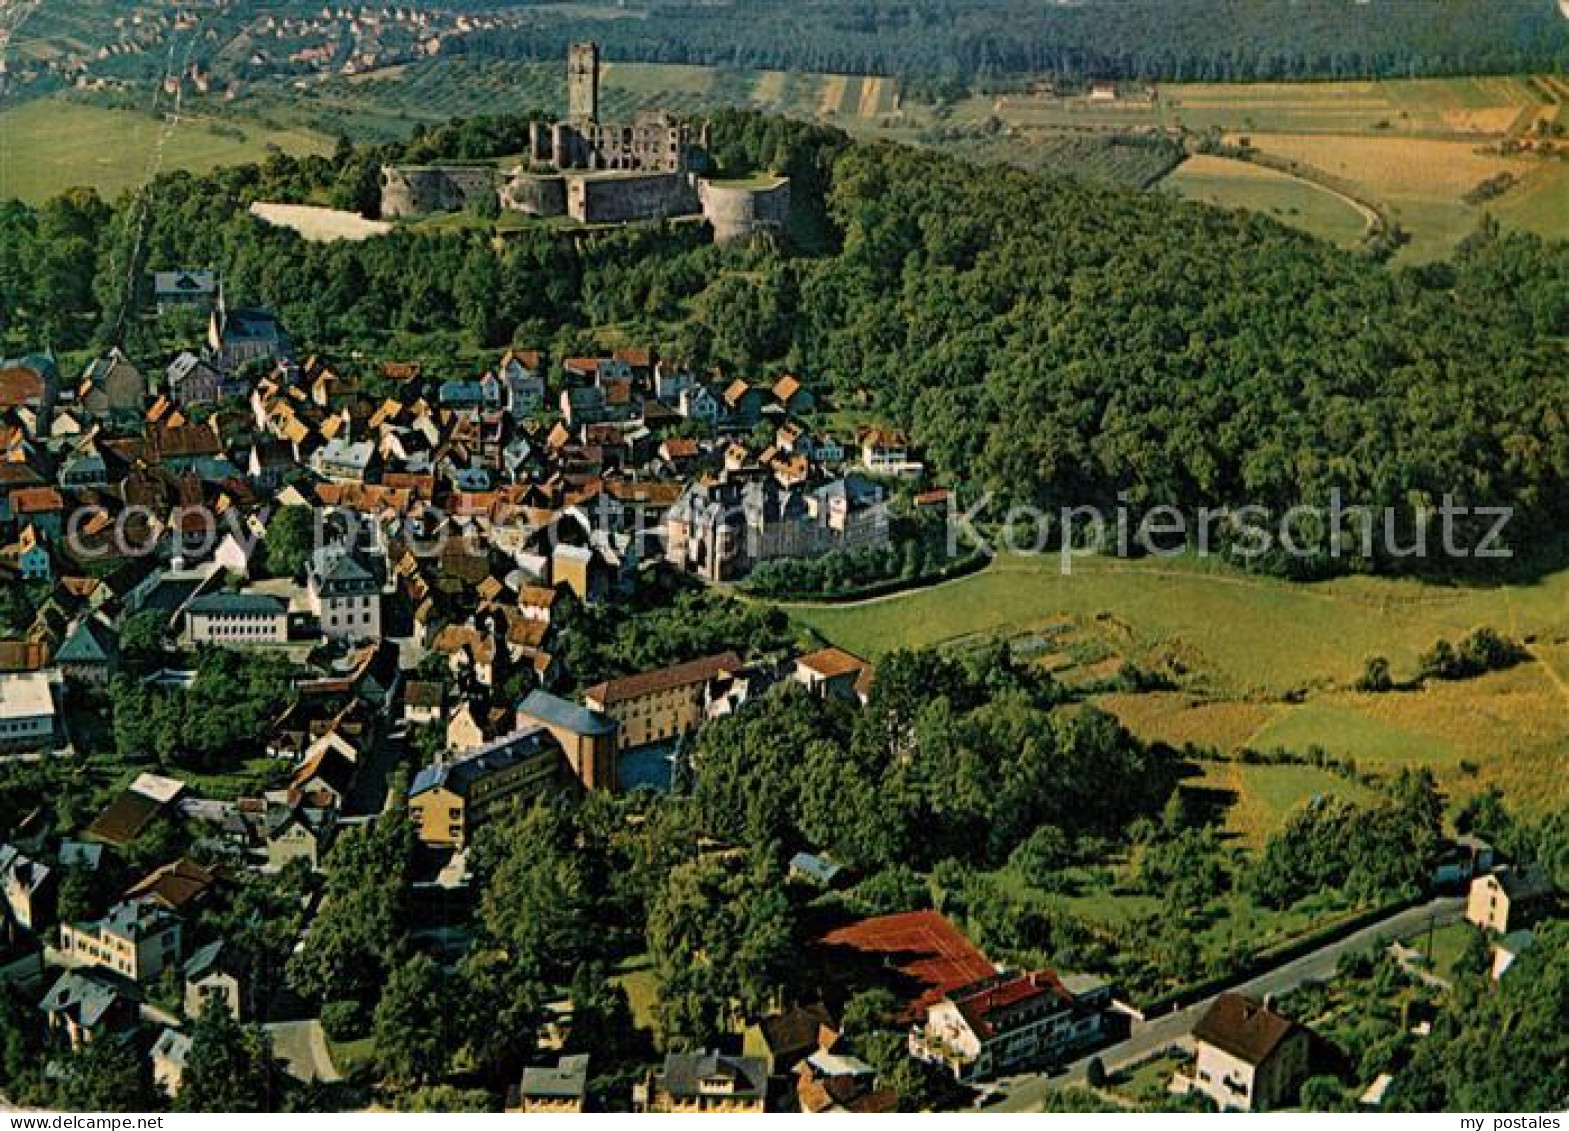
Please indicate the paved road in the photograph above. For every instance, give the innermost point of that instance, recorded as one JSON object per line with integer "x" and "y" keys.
{"x": 1025, "y": 1093}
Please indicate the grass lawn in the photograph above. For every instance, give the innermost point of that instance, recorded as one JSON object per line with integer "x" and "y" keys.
{"x": 1448, "y": 944}
{"x": 49, "y": 145}
{"x": 348, "y": 1057}
{"x": 636, "y": 976}
{"x": 1259, "y": 798}
{"x": 1146, "y": 1082}
{"x": 1264, "y": 663}
{"x": 1237, "y": 184}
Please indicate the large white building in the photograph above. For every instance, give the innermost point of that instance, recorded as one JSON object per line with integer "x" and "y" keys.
{"x": 27, "y": 711}
{"x": 1008, "y": 1022}
{"x": 237, "y": 620}
{"x": 345, "y": 596}
{"x": 136, "y": 940}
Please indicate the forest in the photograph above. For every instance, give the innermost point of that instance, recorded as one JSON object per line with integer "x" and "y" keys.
{"x": 930, "y": 43}
{"x": 1050, "y": 341}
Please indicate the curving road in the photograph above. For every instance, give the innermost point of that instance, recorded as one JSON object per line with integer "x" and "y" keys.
{"x": 1025, "y": 1093}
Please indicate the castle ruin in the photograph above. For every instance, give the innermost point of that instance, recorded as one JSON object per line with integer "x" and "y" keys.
{"x": 597, "y": 172}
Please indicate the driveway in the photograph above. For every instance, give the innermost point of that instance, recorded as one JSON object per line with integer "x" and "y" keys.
{"x": 1025, "y": 1093}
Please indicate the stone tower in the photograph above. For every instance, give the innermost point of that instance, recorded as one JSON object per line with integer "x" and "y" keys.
{"x": 583, "y": 83}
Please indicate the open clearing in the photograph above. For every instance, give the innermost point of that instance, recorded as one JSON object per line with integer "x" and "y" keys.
{"x": 49, "y": 145}
{"x": 1262, "y": 663}
{"x": 320, "y": 225}
{"x": 1423, "y": 181}
{"x": 1238, "y": 184}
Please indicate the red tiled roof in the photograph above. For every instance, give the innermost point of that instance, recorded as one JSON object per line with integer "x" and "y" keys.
{"x": 922, "y": 946}
{"x": 665, "y": 679}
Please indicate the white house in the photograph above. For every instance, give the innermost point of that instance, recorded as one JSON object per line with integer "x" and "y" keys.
{"x": 138, "y": 941}
{"x": 1250, "y": 1058}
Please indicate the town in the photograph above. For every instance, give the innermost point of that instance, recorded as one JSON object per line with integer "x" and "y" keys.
{"x": 315, "y": 759}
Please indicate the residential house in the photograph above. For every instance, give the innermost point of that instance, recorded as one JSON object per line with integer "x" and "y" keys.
{"x": 27, "y": 710}
{"x": 1508, "y": 898}
{"x": 833, "y": 1083}
{"x": 523, "y": 374}
{"x": 237, "y": 620}
{"x": 560, "y": 1089}
{"x": 175, "y": 290}
{"x": 194, "y": 380}
{"x": 135, "y": 940}
{"x": 789, "y": 395}
{"x": 80, "y": 1008}
{"x": 212, "y": 974}
{"x": 177, "y": 886}
{"x": 742, "y": 405}
{"x": 582, "y": 405}
{"x": 42, "y": 508}
{"x": 296, "y": 832}
{"x": 587, "y": 737}
{"x": 886, "y": 451}
{"x": 663, "y": 705}
{"x": 91, "y": 653}
{"x": 169, "y": 1054}
{"x": 1461, "y": 861}
{"x": 832, "y": 673}
{"x": 28, "y": 889}
{"x": 1249, "y": 1058}
{"x": 1008, "y": 1022}
{"x": 699, "y": 403}
{"x": 790, "y": 1037}
{"x": 112, "y": 388}
{"x": 342, "y": 461}
{"x": 706, "y": 1082}
{"x": 324, "y": 779}
{"x": 29, "y": 556}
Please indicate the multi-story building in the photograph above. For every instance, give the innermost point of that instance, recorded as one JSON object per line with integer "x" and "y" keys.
{"x": 237, "y": 620}
{"x": 587, "y": 737}
{"x": 1249, "y": 1058}
{"x": 706, "y": 1083}
{"x": 1007, "y": 1022}
{"x": 80, "y": 1008}
{"x": 27, "y": 711}
{"x": 135, "y": 940}
{"x": 1508, "y": 898}
{"x": 558, "y": 1090}
{"x": 722, "y": 529}
{"x": 344, "y": 594}
{"x": 27, "y": 888}
{"x": 449, "y": 801}
{"x": 663, "y": 705}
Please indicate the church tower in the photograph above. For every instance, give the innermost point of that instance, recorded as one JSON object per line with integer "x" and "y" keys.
{"x": 583, "y": 83}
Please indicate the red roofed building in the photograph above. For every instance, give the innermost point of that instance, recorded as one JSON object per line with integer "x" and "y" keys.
{"x": 1007, "y": 1022}
{"x": 918, "y": 955}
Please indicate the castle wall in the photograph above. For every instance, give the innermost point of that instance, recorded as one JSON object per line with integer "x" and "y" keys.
{"x": 622, "y": 198}
{"x": 416, "y": 190}
{"x": 535, "y": 194}
{"x": 738, "y": 213}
